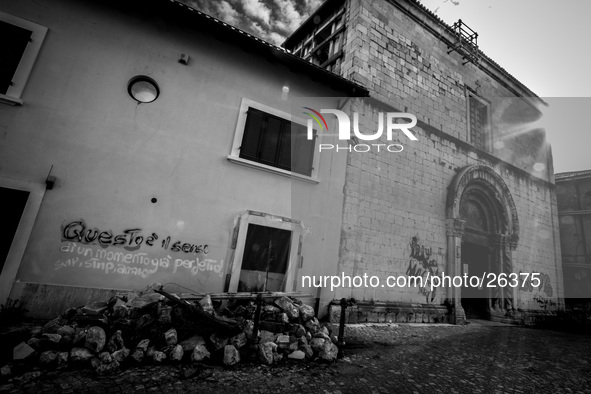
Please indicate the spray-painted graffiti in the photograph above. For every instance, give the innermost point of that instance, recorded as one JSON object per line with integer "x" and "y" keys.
{"x": 140, "y": 264}
{"x": 540, "y": 282}
{"x": 130, "y": 239}
{"x": 421, "y": 264}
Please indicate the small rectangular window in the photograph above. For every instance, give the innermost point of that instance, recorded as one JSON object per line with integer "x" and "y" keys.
{"x": 478, "y": 117}
{"x": 12, "y": 52}
{"x": 21, "y": 43}
{"x": 276, "y": 142}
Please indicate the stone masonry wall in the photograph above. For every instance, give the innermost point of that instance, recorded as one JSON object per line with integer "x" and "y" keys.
{"x": 395, "y": 202}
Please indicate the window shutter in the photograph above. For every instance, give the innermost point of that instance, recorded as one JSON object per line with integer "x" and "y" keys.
{"x": 252, "y": 135}
{"x": 284, "y": 159}
{"x": 303, "y": 157}
{"x": 15, "y": 40}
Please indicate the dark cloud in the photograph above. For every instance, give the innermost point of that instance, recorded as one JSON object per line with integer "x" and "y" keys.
{"x": 271, "y": 20}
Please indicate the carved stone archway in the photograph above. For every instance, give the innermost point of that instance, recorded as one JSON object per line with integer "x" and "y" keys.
{"x": 491, "y": 189}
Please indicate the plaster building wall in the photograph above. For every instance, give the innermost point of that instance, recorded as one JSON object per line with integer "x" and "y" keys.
{"x": 400, "y": 217}
{"x": 154, "y": 170}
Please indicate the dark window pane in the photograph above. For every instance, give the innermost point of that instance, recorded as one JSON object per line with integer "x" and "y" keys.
{"x": 252, "y": 135}
{"x": 13, "y": 204}
{"x": 265, "y": 259}
{"x": 270, "y": 142}
{"x": 478, "y": 122}
{"x": 14, "y": 42}
{"x": 277, "y": 142}
{"x": 284, "y": 159}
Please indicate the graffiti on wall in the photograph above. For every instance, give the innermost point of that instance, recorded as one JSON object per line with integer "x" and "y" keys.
{"x": 540, "y": 283}
{"x": 130, "y": 239}
{"x": 421, "y": 264}
{"x": 92, "y": 249}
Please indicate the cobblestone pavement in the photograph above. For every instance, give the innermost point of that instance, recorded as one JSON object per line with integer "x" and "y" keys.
{"x": 477, "y": 358}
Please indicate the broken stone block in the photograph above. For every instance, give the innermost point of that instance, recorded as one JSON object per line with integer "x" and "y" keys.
{"x": 121, "y": 355}
{"x": 267, "y": 336}
{"x": 308, "y": 352}
{"x": 164, "y": 313}
{"x": 231, "y": 355}
{"x": 277, "y": 357}
{"x": 108, "y": 369}
{"x": 206, "y": 304}
{"x": 271, "y": 309}
{"x": 293, "y": 347}
{"x": 79, "y": 337}
{"x": 120, "y": 310}
{"x": 62, "y": 359}
{"x": 297, "y": 355}
{"x": 144, "y": 321}
{"x": 283, "y": 341}
{"x": 317, "y": 344}
{"x": 5, "y": 372}
{"x": 143, "y": 345}
{"x": 170, "y": 337}
{"x": 282, "y": 318}
{"x": 288, "y": 307}
{"x": 94, "y": 309}
{"x": 158, "y": 357}
{"x": 266, "y": 351}
{"x": 176, "y": 354}
{"x": 95, "y": 362}
{"x": 334, "y": 339}
{"x": 322, "y": 335}
{"x": 306, "y": 312}
{"x": 67, "y": 331}
{"x": 138, "y": 355}
{"x": 312, "y": 325}
{"x": 50, "y": 340}
{"x": 48, "y": 358}
{"x": 35, "y": 343}
{"x": 105, "y": 358}
{"x": 329, "y": 352}
{"x": 80, "y": 355}
{"x": 218, "y": 341}
{"x": 189, "y": 344}
{"x": 95, "y": 339}
{"x": 116, "y": 342}
{"x": 308, "y": 336}
{"x": 302, "y": 341}
{"x": 239, "y": 340}
{"x": 200, "y": 353}
{"x": 248, "y": 327}
{"x": 22, "y": 351}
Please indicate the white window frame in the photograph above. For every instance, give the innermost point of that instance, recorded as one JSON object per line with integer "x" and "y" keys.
{"x": 234, "y": 155}
{"x": 23, "y": 231}
{"x": 489, "y": 138}
{"x": 268, "y": 220}
{"x": 23, "y": 71}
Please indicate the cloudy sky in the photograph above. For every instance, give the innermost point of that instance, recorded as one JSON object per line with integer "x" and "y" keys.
{"x": 271, "y": 20}
{"x": 543, "y": 43}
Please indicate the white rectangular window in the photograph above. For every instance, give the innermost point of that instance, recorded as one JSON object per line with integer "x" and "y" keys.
{"x": 21, "y": 42}
{"x": 272, "y": 140}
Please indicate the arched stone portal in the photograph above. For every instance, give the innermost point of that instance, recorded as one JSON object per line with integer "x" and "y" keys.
{"x": 481, "y": 223}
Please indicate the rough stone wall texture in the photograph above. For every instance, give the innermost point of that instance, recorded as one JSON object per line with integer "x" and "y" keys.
{"x": 392, "y": 197}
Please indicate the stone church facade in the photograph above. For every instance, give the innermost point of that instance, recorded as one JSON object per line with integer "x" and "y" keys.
{"x": 473, "y": 195}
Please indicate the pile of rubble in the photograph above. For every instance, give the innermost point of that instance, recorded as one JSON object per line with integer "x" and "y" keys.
{"x": 157, "y": 327}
